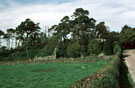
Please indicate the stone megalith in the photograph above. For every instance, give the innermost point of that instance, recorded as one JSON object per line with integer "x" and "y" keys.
{"x": 55, "y": 53}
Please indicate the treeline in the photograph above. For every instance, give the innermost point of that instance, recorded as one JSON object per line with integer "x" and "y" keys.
{"x": 74, "y": 36}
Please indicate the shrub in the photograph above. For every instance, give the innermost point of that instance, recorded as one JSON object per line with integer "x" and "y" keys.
{"x": 110, "y": 76}
{"x": 117, "y": 48}
{"x": 4, "y": 53}
{"x": 107, "y": 77}
{"x": 106, "y": 81}
{"x": 48, "y": 49}
{"x": 62, "y": 50}
{"x": 75, "y": 50}
{"x": 23, "y": 55}
{"x": 108, "y": 47}
{"x": 32, "y": 53}
{"x": 18, "y": 56}
{"x": 94, "y": 47}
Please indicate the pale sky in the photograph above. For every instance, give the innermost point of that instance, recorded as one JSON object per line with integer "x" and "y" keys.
{"x": 115, "y": 13}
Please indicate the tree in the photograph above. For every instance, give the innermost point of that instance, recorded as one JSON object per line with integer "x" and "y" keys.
{"x": 28, "y": 31}
{"x": 117, "y": 47}
{"x": 94, "y": 47}
{"x": 82, "y": 26}
{"x": 101, "y": 30}
{"x": 75, "y": 50}
{"x": 108, "y": 47}
{"x": 127, "y": 37}
{"x": 11, "y": 33}
{"x": 62, "y": 29}
{"x": 1, "y": 34}
{"x": 7, "y": 38}
{"x": 49, "y": 47}
{"x": 114, "y": 35}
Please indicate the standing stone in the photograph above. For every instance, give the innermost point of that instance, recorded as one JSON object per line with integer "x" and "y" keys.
{"x": 82, "y": 57}
{"x": 55, "y": 53}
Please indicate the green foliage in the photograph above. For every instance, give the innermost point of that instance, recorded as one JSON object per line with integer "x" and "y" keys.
{"x": 117, "y": 48}
{"x": 115, "y": 36}
{"x": 4, "y": 53}
{"x": 127, "y": 34}
{"x": 101, "y": 30}
{"x": 48, "y": 49}
{"x": 62, "y": 49}
{"x": 28, "y": 32}
{"x": 94, "y": 47}
{"x": 81, "y": 28}
{"x": 127, "y": 37}
{"x": 107, "y": 81}
{"x": 108, "y": 47}
{"x": 75, "y": 50}
{"x": 32, "y": 53}
{"x": 110, "y": 77}
{"x": 23, "y": 55}
{"x": 18, "y": 56}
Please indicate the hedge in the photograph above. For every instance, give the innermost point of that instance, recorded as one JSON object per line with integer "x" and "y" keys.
{"x": 107, "y": 77}
{"x": 108, "y": 47}
{"x": 94, "y": 47}
{"x": 22, "y": 55}
{"x": 75, "y": 50}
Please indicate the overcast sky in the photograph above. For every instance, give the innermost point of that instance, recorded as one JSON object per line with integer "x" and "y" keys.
{"x": 115, "y": 13}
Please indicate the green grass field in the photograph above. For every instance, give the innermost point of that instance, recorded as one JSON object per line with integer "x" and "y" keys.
{"x": 53, "y": 75}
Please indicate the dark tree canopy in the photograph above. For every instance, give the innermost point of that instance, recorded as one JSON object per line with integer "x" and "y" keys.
{"x": 127, "y": 37}
{"x": 73, "y": 36}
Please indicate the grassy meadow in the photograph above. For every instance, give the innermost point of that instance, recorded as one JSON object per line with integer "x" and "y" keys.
{"x": 51, "y": 75}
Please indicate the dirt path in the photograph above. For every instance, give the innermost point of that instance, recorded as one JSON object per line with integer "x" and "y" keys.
{"x": 129, "y": 56}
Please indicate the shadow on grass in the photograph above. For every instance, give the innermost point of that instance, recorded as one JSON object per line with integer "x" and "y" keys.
{"x": 125, "y": 80}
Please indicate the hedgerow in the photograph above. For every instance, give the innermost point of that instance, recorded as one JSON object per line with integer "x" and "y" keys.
{"x": 107, "y": 77}
{"x": 108, "y": 47}
{"x": 75, "y": 50}
{"x": 94, "y": 47}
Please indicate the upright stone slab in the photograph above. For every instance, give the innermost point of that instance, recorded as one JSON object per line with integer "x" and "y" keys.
{"x": 55, "y": 53}
{"x": 82, "y": 57}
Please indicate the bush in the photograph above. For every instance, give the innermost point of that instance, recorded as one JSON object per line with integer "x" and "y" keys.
{"x": 107, "y": 77}
{"x": 23, "y": 55}
{"x": 106, "y": 81}
{"x": 32, "y": 53}
{"x": 48, "y": 49}
{"x": 18, "y": 56}
{"x": 4, "y": 53}
{"x": 94, "y": 47}
{"x": 62, "y": 50}
{"x": 75, "y": 50}
{"x": 117, "y": 48}
{"x": 108, "y": 47}
{"x": 110, "y": 76}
